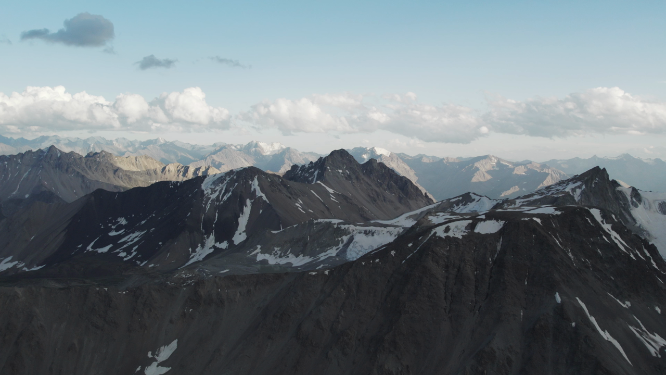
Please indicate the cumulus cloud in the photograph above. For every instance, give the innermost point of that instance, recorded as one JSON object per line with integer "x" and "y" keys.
{"x": 5, "y": 40}
{"x": 40, "y": 109}
{"x": 153, "y": 62}
{"x": 600, "y": 110}
{"x": 349, "y": 113}
{"x": 83, "y": 30}
{"x": 229, "y": 62}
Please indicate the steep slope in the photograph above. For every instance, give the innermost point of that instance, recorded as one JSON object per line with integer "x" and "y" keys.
{"x": 642, "y": 212}
{"x": 70, "y": 176}
{"x": 242, "y": 216}
{"x": 485, "y": 175}
{"x": 340, "y": 168}
{"x": 505, "y": 292}
{"x": 390, "y": 159}
{"x": 649, "y": 174}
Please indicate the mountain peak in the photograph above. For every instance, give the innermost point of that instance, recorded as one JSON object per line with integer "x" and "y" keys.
{"x": 263, "y": 148}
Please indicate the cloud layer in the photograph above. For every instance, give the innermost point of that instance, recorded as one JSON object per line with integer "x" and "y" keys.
{"x": 153, "y": 62}
{"x": 595, "y": 111}
{"x": 229, "y": 62}
{"x": 600, "y": 110}
{"x": 350, "y": 114}
{"x": 83, "y": 30}
{"x": 39, "y": 109}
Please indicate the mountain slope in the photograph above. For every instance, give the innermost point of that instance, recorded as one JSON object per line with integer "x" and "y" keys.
{"x": 642, "y": 212}
{"x": 508, "y": 292}
{"x": 390, "y": 159}
{"x": 243, "y": 216}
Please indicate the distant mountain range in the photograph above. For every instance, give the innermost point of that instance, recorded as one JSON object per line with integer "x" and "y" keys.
{"x": 51, "y": 175}
{"x": 448, "y": 177}
{"x": 648, "y": 174}
{"x": 438, "y": 177}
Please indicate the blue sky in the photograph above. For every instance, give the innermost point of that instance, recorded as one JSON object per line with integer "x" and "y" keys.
{"x": 447, "y": 53}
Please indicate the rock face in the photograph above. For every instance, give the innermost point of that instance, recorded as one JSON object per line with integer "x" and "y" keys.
{"x": 339, "y": 169}
{"x": 70, "y": 176}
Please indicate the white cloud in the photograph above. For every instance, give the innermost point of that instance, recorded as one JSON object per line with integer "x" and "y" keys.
{"x": 600, "y": 110}
{"x": 190, "y": 106}
{"x": 349, "y": 113}
{"x": 39, "y": 109}
{"x": 289, "y": 116}
{"x": 595, "y": 111}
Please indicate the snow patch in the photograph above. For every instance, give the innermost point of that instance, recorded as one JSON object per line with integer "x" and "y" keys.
{"x": 442, "y": 217}
{"x": 366, "y": 239}
{"x": 652, "y": 341}
{"x": 6, "y": 264}
{"x": 649, "y": 217}
{"x": 603, "y": 333}
{"x": 408, "y": 219}
{"x": 544, "y": 210}
{"x": 160, "y": 356}
{"x": 608, "y": 228}
{"x": 257, "y": 190}
{"x": 206, "y": 248}
{"x": 240, "y": 235}
{"x": 454, "y": 229}
{"x": 489, "y": 226}
{"x": 626, "y": 304}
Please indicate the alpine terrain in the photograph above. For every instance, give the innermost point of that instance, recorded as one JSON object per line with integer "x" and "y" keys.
{"x": 336, "y": 267}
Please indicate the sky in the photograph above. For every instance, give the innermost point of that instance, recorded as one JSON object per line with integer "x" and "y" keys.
{"x": 519, "y": 79}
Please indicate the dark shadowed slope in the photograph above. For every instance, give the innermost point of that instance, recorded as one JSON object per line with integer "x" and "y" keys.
{"x": 506, "y": 292}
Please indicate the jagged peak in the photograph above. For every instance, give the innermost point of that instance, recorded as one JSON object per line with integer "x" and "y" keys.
{"x": 314, "y": 171}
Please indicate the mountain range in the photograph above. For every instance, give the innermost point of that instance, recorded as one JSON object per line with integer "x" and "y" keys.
{"x": 441, "y": 178}
{"x": 335, "y": 267}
